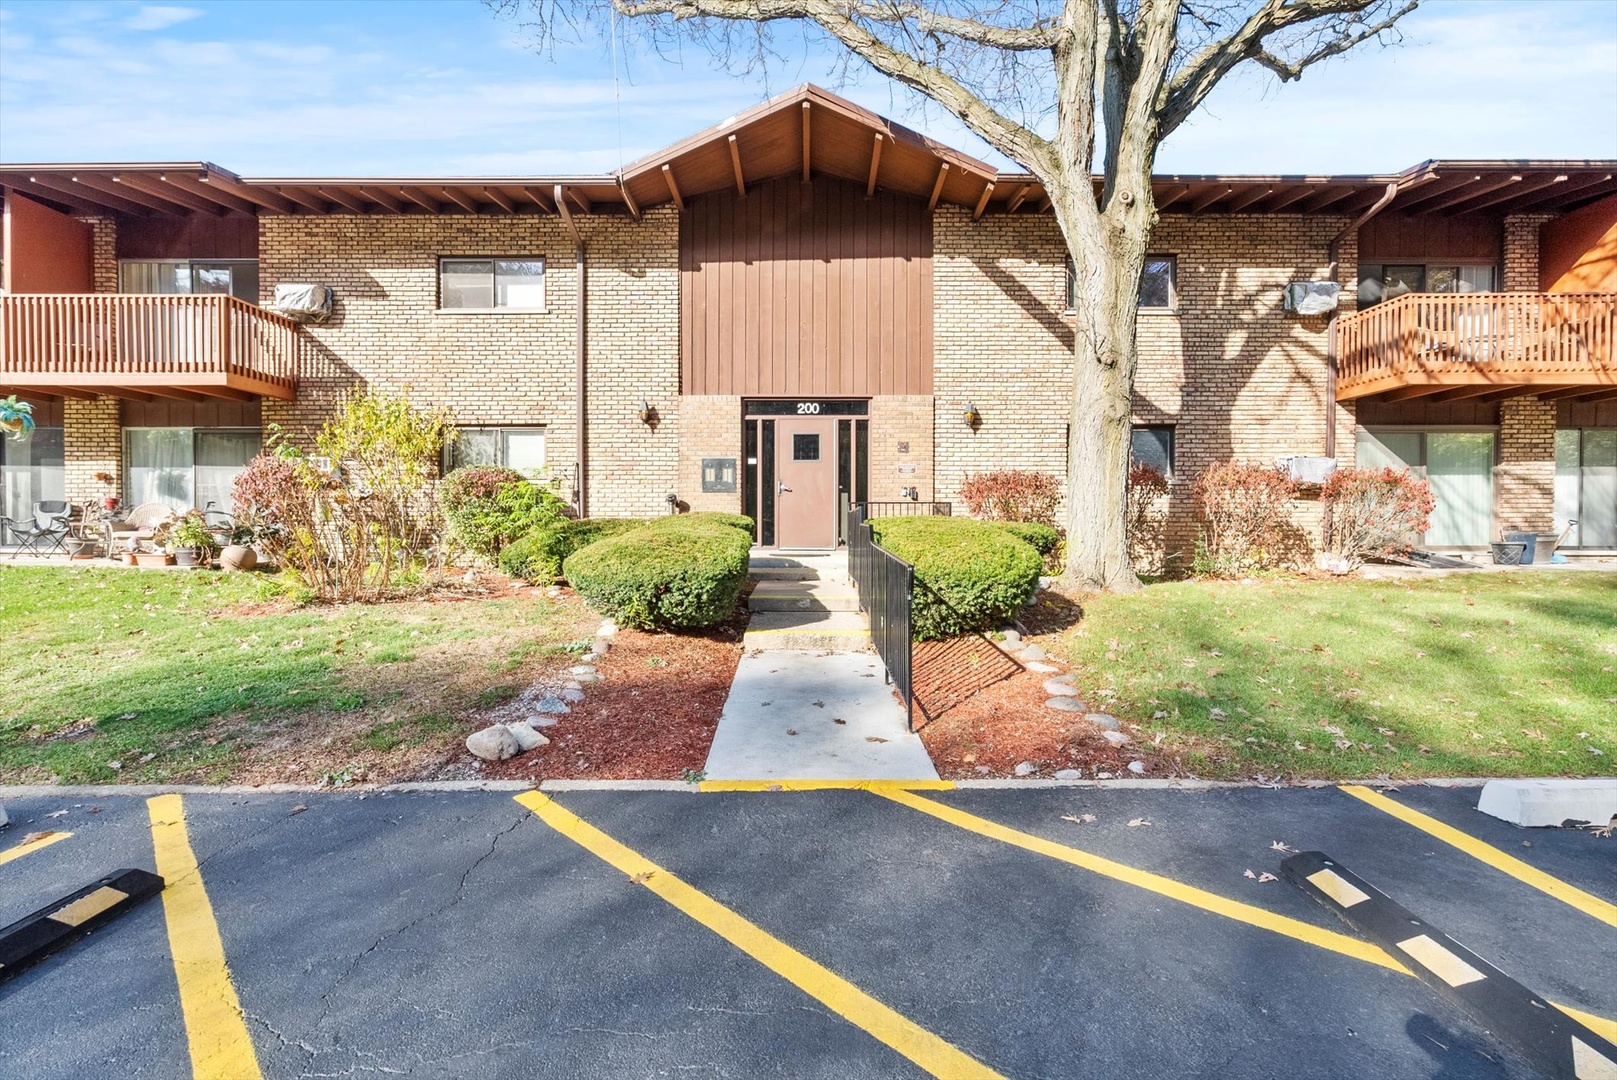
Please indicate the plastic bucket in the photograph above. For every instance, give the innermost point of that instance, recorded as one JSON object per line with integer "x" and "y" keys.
{"x": 1529, "y": 542}
{"x": 1508, "y": 554}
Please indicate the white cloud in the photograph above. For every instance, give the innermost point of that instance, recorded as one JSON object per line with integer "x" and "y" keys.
{"x": 160, "y": 17}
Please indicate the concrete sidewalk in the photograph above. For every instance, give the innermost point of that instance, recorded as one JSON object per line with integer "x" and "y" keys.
{"x": 794, "y": 715}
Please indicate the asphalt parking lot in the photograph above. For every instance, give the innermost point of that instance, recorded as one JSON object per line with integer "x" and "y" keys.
{"x": 1035, "y": 932}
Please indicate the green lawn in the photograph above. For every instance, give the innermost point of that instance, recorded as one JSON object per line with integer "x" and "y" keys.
{"x": 209, "y": 677}
{"x": 1471, "y": 675}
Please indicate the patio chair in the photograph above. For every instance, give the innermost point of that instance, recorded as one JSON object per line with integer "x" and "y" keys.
{"x": 44, "y": 533}
{"x": 139, "y": 525}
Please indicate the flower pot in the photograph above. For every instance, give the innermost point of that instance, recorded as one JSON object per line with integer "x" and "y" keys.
{"x": 11, "y": 427}
{"x": 127, "y": 558}
{"x": 110, "y": 504}
{"x": 185, "y": 557}
{"x": 238, "y": 557}
{"x": 153, "y": 558}
{"x": 81, "y": 549}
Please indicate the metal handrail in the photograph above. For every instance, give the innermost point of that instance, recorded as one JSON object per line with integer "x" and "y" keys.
{"x": 886, "y": 588}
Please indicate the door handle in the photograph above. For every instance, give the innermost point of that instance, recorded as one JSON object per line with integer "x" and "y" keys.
{"x": 780, "y": 487}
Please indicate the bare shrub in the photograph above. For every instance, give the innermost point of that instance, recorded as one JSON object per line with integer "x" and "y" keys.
{"x": 1376, "y": 511}
{"x": 1246, "y": 519}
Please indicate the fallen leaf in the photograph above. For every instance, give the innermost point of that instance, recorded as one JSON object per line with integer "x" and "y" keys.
{"x": 791, "y": 731}
{"x": 839, "y": 720}
{"x": 1281, "y": 846}
{"x": 1078, "y": 819}
{"x": 818, "y": 704}
{"x": 35, "y": 837}
{"x": 642, "y": 877}
{"x": 1248, "y": 873}
{"x": 298, "y": 809}
{"x": 57, "y": 813}
{"x": 868, "y": 738}
{"x": 1136, "y": 822}
{"x": 1266, "y": 877}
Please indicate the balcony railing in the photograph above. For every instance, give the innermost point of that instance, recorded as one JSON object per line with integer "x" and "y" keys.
{"x": 1508, "y": 340}
{"x": 216, "y": 345}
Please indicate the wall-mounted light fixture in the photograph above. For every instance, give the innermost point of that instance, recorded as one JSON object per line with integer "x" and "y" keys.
{"x": 973, "y": 418}
{"x": 647, "y": 413}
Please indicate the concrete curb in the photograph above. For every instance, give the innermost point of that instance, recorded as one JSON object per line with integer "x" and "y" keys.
{"x": 98, "y": 791}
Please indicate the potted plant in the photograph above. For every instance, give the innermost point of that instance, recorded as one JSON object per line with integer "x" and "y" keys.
{"x": 16, "y": 418}
{"x": 191, "y": 542}
{"x": 238, "y": 553}
{"x": 109, "y": 501}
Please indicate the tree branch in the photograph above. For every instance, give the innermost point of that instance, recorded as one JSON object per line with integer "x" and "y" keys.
{"x": 1290, "y": 71}
{"x": 927, "y": 21}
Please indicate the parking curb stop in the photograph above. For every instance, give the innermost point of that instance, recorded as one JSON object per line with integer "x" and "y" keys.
{"x": 35, "y": 936}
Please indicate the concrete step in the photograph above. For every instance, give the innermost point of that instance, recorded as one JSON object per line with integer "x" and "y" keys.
{"x": 814, "y": 631}
{"x": 773, "y": 567}
{"x": 803, "y": 596}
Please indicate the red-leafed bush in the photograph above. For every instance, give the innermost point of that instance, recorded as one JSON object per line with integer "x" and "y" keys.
{"x": 1012, "y": 495}
{"x": 1147, "y": 516}
{"x": 1246, "y": 519}
{"x": 1376, "y": 511}
{"x": 271, "y": 503}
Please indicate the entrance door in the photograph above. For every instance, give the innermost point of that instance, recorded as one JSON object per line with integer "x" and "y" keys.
{"x": 806, "y": 482}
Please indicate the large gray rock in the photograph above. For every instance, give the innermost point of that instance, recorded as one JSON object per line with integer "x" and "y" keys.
{"x": 1116, "y": 738}
{"x": 1102, "y": 720}
{"x": 1060, "y": 688}
{"x": 493, "y": 743}
{"x": 1068, "y": 774}
{"x": 1024, "y": 768}
{"x": 1041, "y": 667}
{"x": 1065, "y": 704}
{"x": 572, "y": 695}
{"x": 1012, "y": 636}
{"x": 1137, "y": 768}
{"x": 608, "y": 628}
{"x": 587, "y": 677}
{"x": 543, "y": 721}
{"x": 580, "y": 669}
{"x": 1031, "y": 652}
{"x": 526, "y": 737}
{"x": 602, "y": 646}
{"x": 552, "y": 703}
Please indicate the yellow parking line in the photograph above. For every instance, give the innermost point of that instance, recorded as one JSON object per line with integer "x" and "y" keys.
{"x": 1530, "y": 875}
{"x": 17, "y": 851}
{"x": 839, "y": 995}
{"x": 221, "y": 1049}
{"x": 824, "y": 785}
{"x": 1207, "y": 901}
{"x": 1173, "y": 890}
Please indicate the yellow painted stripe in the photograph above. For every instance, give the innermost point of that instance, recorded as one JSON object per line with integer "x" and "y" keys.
{"x": 1325, "y": 939}
{"x": 1173, "y": 890}
{"x": 17, "y": 851}
{"x": 1529, "y": 875}
{"x": 825, "y": 785}
{"x": 842, "y": 997}
{"x": 87, "y": 906}
{"x": 220, "y": 1046}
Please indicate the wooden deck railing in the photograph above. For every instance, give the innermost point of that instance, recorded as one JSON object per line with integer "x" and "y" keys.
{"x": 100, "y": 339}
{"x": 1512, "y": 339}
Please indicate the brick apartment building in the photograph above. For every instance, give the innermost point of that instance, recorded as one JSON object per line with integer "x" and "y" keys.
{"x": 800, "y": 308}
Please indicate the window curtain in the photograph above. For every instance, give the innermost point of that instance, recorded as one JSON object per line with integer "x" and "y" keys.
{"x": 1459, "y": 465}
{"x": 31, "y": 471}
{"x": 158, "y": 467}
{"x": 1597, "y": 509}
{"x": 220, "y": 458}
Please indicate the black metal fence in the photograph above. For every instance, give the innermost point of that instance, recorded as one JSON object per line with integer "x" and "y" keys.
{"x": 886, "y": 587}
{"x": 905, "y": 508}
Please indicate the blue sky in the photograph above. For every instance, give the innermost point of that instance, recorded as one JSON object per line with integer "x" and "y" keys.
{"x": 423, "y": 87}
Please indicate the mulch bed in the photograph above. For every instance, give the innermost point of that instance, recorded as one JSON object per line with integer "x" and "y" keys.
{"x": 652, "y": 717}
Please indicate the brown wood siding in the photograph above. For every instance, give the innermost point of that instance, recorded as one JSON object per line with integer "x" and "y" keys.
{"x": 806, "y": 290}
{"x": 165, "y": 412}
{"x": 1425, "y": 237}
{"x": 1570, "y": 414}
{"x": 1428, "y": 413}
{"x": 197, "y": 236}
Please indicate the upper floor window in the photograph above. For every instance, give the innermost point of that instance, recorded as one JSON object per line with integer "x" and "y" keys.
{"x": 200, "y": 277}
{"x": 1159, "y": 289}
{"x": 487, "y": 284}
{"x": 519, "y": 448}
{"x": 1384, "y": 281}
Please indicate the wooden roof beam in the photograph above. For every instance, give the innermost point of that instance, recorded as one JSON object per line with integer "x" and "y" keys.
{"x": 162, "y": 189}
{"x": 581, "y": 200}
{"x": 82, "y": 393}
{"x": 1405, "y": 393}
{"x": 125, "y": 392}
{"x": 1286, "y": 197}
{"x": 382, "y": 198}
{"x": 128, "y": 203}
{"x": 342, "y": 199}
{"x": 937, "y": 187}
{"x": 673, "y": 187}
{"x": 498, "y": 198}
{"x": 1018, "y": 197}
{"x": 1467, "y": 193}
{"x": 207, "y": 189}
{"x": 1172, "y": 195}
{"x": 76, "y": 203}
{"x": 1512, "y": 192}
{"x": 431, "y": 206}
{"x": 455, "y": 196}
{"x": 1572, "y": 190}
{"x": 806, "y": 171}
{"x": 1461, "y": 393}
{"x": 628, "y": 199}
{"x": 1325, "y": 198}
{"x": 540, "y": 199}
{"x": 1218, "y": 194}
{"x": 307, "y": 201}
{"x": 1241, "y": 202}
{"x": 982, "y": 201}
{"x": 1573, "y": 393}
{"x": 254, "y": 193}
{"x": 735, "y": 163}
{"x": 1044, "y": 205}
{"x": 173, "y": 393}
{"x": 567, "y": 216}
{"x": 875, "y": 164}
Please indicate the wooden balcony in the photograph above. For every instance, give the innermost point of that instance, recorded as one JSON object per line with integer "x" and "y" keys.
{"x": 1479, "y": 345}
{"x": 142, "y": 346}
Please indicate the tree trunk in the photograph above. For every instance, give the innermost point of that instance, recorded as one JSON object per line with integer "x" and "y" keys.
{"x": 1108, "y": 263}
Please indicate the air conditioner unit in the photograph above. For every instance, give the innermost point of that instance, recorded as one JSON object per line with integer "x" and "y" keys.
{"x": 1312, "y": 297}
{"x": 1307, "y": 470}
{"x": 303, "y": 303}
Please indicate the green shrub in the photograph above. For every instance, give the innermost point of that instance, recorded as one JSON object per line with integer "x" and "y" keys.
{"x": 539, "y": 555}
{"x": 705, "y": 517}
{"x": 488, "y": 507}
{"x": 675, "y": 573}
{"x": 976, "y": 573}
{"x": 1044, "y": 538}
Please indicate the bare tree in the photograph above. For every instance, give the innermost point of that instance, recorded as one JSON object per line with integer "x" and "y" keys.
{"x": 1044, "y": 82}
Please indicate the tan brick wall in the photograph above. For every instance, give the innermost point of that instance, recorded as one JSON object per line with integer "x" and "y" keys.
{"x": 1524, "y": 479}
{"x": 710, "y": 426}
{"x": 92, "y": 442}
{"x": 504, "y": 367}
{"x": 104, "y": 253}
{"x": 1520, "y": 272}
{"x": 1236, "y": 375}
{"x": 906, "y": 421}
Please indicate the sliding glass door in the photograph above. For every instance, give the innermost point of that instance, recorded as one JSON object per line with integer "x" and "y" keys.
{"x": 1586, "y": 486}
{"x": 186, "y": 467}
{"x": 31, "y": 471}
{"x": 1458, "y": 465}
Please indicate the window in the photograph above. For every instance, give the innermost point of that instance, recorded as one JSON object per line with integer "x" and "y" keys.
{"x": 1384, "y": 281}
{"x": 519, "y": 448}
{"x": 487, "y": 284}
{"x": 1159, "y": 288}
{"x": 1586, "y": 486}
{"x": 1457, "y": 463}
{"x": 805, "y": 447}
{"x": 1153, "y": 445}
{"x": 31, "y": 471}
{"x": 200, "y": 277}
{"x": 186, "y": 467}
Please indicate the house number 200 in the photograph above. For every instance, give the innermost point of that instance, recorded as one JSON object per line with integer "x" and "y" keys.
{"x": 808, "y": 408}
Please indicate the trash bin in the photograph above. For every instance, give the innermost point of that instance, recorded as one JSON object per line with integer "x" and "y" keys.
{"x": 1528, "y": 541}
{"x": 1507, "y": 554}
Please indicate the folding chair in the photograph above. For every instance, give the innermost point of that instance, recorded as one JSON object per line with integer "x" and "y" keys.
{"x": 42, "y": 528}
{"x": 53, "y": 518}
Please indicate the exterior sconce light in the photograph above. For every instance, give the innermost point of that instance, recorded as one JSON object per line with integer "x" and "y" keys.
{"x": 647, "y": 413}
{"x": 973, "y": 418}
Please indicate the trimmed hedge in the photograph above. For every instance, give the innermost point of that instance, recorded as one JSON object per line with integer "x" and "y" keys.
{"x": 539, "y": 555}
{"x": 677, "y": 572}
{"x": 705, "y": 517}
{"x": 977, "y": 574}
{"x": 489, "y": 507}
{"x": 1044, "y": 538}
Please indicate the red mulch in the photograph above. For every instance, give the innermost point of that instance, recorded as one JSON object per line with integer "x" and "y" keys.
{"x": 652, "y": 717}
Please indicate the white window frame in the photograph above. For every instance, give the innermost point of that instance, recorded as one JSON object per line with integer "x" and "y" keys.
{"x": 499, "y": 431}
{"x": 494, "y": 291}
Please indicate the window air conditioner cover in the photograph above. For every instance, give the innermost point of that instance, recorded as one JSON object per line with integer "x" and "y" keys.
{"x": 303, "y": 303}
{"x": 1308, "y": 470}
{"x": 1312, "y": 297}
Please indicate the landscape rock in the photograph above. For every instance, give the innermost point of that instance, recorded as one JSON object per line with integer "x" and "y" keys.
{"x": 1102, "y": 720}
{"x": 1012, "y": 636}
{"x": 1137, "y": 768}
{"x": 1031, "y": 652}
{"x": 1116, "y": 738}
{"x": 1041, "y": 667}
{"x": 493, "y": 743}
{"x": 543, "y": 721}
{"x": 602, "y": 646}
{"x": 526, "y": 737}
{"x": 1065, "y": 704}
{"x": 1060, "y": 688}
{"x": 551, "y": 703}
{"x": 1069, "y": 774}
{"x": 589, "y": 677}
{"x": 607, "y": 629}
{"x": 580, "y": 669}
{"x": 1024, "y": 768}
{"x": 1103, "y": 776}
{"x": 572, "y": 695}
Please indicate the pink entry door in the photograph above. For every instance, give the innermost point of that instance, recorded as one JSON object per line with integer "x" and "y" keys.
{"x": 806, "y": 482}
